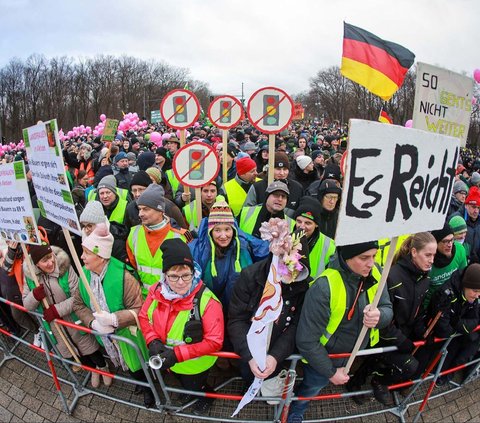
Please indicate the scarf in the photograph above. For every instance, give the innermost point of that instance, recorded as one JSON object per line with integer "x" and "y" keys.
{"x": 171, "y": 295}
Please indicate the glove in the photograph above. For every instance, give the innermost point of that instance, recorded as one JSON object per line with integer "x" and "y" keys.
{"x": 156, "y": 347}
{"x": 101, "y": 328}
{"x": 169, "y": 359}
{"x": 39, "y": 292}
{"x": 406, "y": 346}
{"x": 50, "y": 314}
{"x": 106, "y": 319}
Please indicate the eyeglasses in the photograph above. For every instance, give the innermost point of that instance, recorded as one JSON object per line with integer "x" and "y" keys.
{"x": 331, "y": 197}
{"x": 446, "y": 241}
{"x": 175, "y": 278}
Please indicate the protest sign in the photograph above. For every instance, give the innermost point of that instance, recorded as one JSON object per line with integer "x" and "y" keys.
{"x": 443, "y": 102}
{"x": 225, "y": 112}
{"x": 398, "y": 180}
{"x": 110, "y": 130}
{"x": 298, "y": 112}
{"x": 155, "y": 116}
{"x": 180, "y": 109}
{"x": 48, "y": 174}
{"x": 17, "y": 221}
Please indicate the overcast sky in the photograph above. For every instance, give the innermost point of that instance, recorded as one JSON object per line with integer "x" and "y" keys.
{"x": 224, "y": 43}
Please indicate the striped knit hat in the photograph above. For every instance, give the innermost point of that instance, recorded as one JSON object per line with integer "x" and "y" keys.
{"x": 220, "y": 213}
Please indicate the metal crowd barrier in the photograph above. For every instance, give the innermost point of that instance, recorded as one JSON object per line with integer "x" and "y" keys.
{"x": 334, "y": 403}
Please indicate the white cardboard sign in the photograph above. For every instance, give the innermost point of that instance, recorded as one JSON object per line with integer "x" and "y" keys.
{"x": 48, "y": 174}
{"x": 17, "y": 221}
{"x": 443, "y": 102}
{"x": 398, "y": 181}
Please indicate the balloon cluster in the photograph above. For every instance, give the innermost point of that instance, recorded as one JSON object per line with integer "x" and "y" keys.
{"x": 11, "y": 148}
{"x": 131, "y": 121}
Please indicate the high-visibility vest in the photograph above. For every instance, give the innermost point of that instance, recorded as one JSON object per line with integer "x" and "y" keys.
{"x": 236, "y": 196}
{"x": 149, "y": 267}
{"x": 174, "y": 182}
{"x": 320, "y": 255}
{"x": 88, "y": 169}
{"x": 384, "y": 247}
{"x": 118, "y": 213}
{"x": 190, "y": 212}
{"x": 249, "y": 216}
{"x": 338, "y": 303}
{"x": 175, "y": 337}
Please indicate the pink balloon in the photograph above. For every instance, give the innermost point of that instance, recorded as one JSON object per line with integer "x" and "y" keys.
{"x": 88, "y": 129}
{"x": 155, "y": 137}
{"x": 474, "y": 100}
{"x": 476, "y": 75}
{"x": 166, "y": 136}
{"x": 103, "y": 117}
{"x": 95, "y": 133}
{"x": 145, "y": 123}
{"x": 409, "y": 123}
{"x": 196, "y": 125}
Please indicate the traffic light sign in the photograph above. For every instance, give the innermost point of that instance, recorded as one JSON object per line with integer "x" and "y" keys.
{"x": 271, "y": 110}
{"x": 225, "y": 111}
{"x": 196, "y": 161}
{"x": 180, "y": 108}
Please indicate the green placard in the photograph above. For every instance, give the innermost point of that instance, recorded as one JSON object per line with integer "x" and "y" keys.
{"x": 42, "y": 209}
{"x": 110, "y": 130}
{"x": 67, "y": 197}
{"x": 155, "y": 116}
{"x": 26, "y": 141}
{"x": 18, "y": 168}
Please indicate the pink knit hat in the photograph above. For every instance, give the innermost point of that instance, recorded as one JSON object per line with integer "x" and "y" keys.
{"x": 100, "y": 241}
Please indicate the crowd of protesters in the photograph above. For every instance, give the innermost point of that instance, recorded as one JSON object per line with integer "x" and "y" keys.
{"x": 191, "y": 287}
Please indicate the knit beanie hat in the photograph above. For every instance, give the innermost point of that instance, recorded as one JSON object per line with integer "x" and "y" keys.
{"x": 303, "y": 161}
{"x": 146, "y": 160}
{"x": 37, "y": 252}
{"x": 473, "y": 197}
{"x": 220, "y": 213}
{"x": 332, "y": 171}
{"x": 308, "y": 209}
{"x": 353, "y": 250}
{"x": 471, "y": 276}
{"x": 439, "y": 234}
{"x": 93, "y": 213}
{"x": 141, "y": 178}
{"x": 475, "y": 178}
{"x": 108, "y": 182}
{"x": 155, "y": 174}
{"x": 281, "y": 160}
{"x": 458, "y": 225}
{"x": 459, "y": 186}
{"x": 328, "y": 186}
{"x": 249, "y": 145}
{"x": 119, "y": 156}
{"x": 175, "y": 252}
{"x": 244, "y": 165}
{"x": 131, "y": 156}
{"x": 153, "y": 197}
{"x": 100, "y": 241}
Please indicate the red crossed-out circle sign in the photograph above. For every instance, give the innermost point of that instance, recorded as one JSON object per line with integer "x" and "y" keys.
{"x": 225, "y": 112}
{"x": 180, "y": 109}
{"x": 196, "y": 164}
{"x": 270, "y": 110}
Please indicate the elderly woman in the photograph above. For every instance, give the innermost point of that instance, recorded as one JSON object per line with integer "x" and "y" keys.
{"x": 182, "y": 320}
{"x": 58, "y": 283}
{"x": 118, "y": 294}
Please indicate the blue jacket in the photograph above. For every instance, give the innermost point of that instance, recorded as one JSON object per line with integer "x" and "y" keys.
{"x": 221, "y": 274}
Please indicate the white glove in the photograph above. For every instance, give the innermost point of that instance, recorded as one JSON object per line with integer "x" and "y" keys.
{"x": 106, "y": 319}
{"x": 101, "y": 328}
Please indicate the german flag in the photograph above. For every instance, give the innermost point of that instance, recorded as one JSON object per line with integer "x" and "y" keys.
{"x": 384, "y": 117}
{"x": 379, "y": 65}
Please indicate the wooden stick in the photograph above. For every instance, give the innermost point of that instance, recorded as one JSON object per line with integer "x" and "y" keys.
{"x": 79, "y": 267}
{"x": 271, "y": 157}
{"x": 198, "y": 197}
{"x": 376, "y": 299}
{"x": 429, "y": 329}
{"x": 186, "y": 190}
{"x": 224, "y": 155}
{"x": 46, "y": 305}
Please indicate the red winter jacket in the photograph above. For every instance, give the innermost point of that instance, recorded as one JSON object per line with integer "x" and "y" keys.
{"x": 166, "y": 313}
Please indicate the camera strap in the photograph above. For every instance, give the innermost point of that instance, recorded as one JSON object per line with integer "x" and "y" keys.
{"x": 195, "y": 311}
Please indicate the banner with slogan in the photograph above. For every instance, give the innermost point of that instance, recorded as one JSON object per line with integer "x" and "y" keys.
{"x": 17, "y": 220}
{"x": 443, "y": 102}
{"x": 110, "y": 130}
{"x": 298, "y": 111}
{"x": 398, "y": 180}
{"x": 48, "y": 174}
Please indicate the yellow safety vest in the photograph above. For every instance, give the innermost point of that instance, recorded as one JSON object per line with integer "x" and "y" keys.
{"x": 149, "y": 267}
{"x": 236, "y": 196}
{"x": 174, "y": 182}
{"x": 118, "y": 213}
{"x": 320, "y": 255}
{"x": 338, "y": 303}
{"x": 121, "y": 192}
{"x": 175, "y": 337}
{"x": 249, "y": 216}
{"x": 384, "y": 247}
{"x": 190, "y": 212}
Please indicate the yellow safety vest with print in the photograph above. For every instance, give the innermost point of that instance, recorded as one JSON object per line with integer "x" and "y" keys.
{"x": 175, "y": 337}
{"x": 149, "y": 268}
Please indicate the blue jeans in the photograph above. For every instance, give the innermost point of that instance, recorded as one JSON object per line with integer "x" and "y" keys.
{"x": 311, "y": 385}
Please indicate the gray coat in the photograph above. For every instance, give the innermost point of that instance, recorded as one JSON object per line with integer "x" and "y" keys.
{"x": 316, "y": 314}
{"x": 85, "y": 344}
